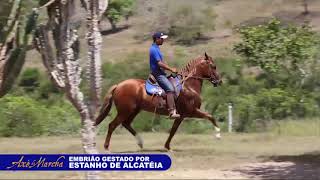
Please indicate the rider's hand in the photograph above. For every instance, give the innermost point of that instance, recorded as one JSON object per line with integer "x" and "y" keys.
{"x": 174, "y": 70}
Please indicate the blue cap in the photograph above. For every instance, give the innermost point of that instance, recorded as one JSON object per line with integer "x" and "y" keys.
{"x": 159, "y": 35}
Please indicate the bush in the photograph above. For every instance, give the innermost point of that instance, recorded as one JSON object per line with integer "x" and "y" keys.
{"x": 245, "y": 113}
{"x": 189, "y": 23}
{"x": 36, "y": 84}
{"x": 21, "y": 116}
{"x": 30, "y": 79}
{"x": 118, "y": 9}
{"x": 275, "y": 46}
{"x": 46, "y": 89}
{"x": 24, "y": 117}
{"x": 185, "y": 20}
{"x": 62, "y": 120}
{"x": 135, "y": 65}
{"x": 271, "y": 104}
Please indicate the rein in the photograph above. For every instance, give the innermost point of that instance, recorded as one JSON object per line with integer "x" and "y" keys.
{"x": 184, "y": 78}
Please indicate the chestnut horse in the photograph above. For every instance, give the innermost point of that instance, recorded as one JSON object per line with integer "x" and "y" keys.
{"x": 130, "y": 98}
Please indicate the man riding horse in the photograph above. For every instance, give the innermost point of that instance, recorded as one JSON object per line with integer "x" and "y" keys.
{"x": 158, "y": 67}
{"x": 132, "y": 96}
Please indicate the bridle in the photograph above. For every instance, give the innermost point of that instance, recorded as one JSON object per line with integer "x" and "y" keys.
{"x": 213, "y": 78}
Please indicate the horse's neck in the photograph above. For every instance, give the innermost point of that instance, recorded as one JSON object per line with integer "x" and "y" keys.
{"x": 193, "y": 84}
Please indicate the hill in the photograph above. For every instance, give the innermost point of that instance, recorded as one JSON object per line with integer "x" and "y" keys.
{"x": 218, "y": 43}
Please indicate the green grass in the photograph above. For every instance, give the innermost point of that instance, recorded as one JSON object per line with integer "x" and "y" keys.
{"x": 306, "y": 127}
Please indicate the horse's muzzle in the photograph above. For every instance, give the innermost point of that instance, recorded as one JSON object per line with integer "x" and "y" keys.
{"x": 216, "y": 82}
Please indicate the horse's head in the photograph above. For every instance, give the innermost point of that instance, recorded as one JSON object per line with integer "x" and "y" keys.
{"x": 208, "y": 69}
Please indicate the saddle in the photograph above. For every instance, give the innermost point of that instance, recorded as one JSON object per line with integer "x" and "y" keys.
{"x": 153, "y": 88}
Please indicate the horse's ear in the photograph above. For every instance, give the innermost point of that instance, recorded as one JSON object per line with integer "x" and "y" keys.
{"x": 206, "y": 55}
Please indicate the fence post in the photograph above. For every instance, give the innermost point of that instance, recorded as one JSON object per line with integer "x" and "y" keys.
{"x": 230, "y": 118}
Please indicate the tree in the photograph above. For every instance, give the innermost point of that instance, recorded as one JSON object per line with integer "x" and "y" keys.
{"x": 15, "y": 33}
{"x": 64, "y": 66}
{"x": 188, "y": 23}
{"x": 118, "y": 9}
{"x": 275, "y": 47}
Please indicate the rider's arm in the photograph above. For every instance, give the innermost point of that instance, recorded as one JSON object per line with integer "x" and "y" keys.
{"x": 156, "y": 56}
{"x": 166, "y": 67}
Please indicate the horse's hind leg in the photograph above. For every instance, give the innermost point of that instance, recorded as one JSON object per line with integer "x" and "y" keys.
{"x": 127, "y": 125}
{"x": 205, "y": 115}
{"x": 112, "y": 126}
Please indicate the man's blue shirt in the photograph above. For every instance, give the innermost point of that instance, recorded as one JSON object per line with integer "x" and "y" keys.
{"x": 155, "y": 56}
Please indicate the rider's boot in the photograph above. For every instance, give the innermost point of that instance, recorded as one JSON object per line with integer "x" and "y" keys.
{"x": 171, "y": 106}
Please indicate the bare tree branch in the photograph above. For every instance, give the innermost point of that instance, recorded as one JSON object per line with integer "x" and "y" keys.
{"x": 65, "y": 68}
{"x": 44, "y": 48}
{"x": 94, "y": 41}
{"x": 48, "y": 4}
{"x": 15, "y": 39}
{"x": 84, "y": 4}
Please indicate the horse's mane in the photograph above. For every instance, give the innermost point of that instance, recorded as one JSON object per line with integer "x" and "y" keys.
{"x": 190, "y": 66}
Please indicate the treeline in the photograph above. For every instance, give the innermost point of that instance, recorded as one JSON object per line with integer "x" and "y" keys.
{"x": 276, "y": 76}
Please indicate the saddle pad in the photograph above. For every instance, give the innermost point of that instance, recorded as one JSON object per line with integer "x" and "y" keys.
{"x": 155, "y": 89}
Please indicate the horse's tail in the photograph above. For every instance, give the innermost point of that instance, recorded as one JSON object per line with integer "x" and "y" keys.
{"x": 106, "y": 106}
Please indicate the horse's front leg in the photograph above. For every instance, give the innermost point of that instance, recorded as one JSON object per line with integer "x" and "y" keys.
{"x": 173, "y": 130}
{"x": 205, "y": 115}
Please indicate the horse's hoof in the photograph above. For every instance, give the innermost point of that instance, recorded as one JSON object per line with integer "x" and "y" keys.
{"x": 141, "y": 146}
{"x": 170, "y": 151}
{"x": 107, "y": 148}
{"x": 139, "y": 141}
{"x": 167, "y": 147}
{"x": 218, "y": 136}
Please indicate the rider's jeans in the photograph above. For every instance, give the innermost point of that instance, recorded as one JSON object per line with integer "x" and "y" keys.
{"x": 164, "y": 82}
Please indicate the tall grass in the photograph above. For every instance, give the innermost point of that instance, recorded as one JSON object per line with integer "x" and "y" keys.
{"x": 301, "y": 127}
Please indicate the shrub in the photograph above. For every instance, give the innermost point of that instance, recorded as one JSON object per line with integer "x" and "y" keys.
{"x": 30, "y": 79}
{"x": 185, "y": 20}
{"x": 46, "y": 89}
{"x": 245, "y": 113}
{"x": 23, "y": 116}
{"x": 275, "y": 46}
{"x": 62, "y": 120}
{"x": 135, "y": 65}
{"x": 189, "y": 23}
{"x": 118, "y": 9}
{"x": 272, "y": 104}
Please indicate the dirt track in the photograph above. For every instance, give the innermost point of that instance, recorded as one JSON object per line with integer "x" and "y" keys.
{"x": 258, "y": 170}
{"x": 236, "y": 156}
